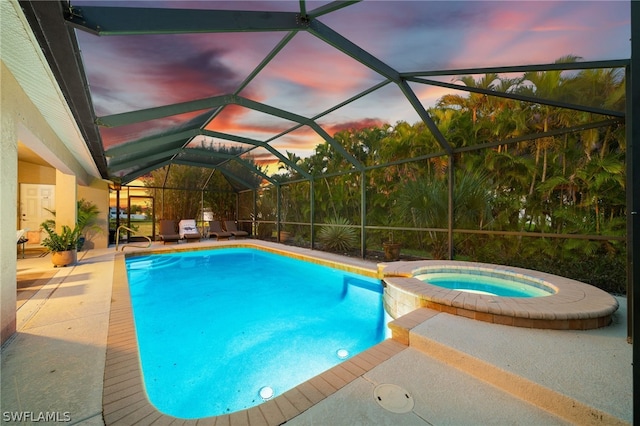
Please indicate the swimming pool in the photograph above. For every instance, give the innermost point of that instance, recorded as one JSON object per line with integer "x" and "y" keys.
{"x": 219, "y": 330}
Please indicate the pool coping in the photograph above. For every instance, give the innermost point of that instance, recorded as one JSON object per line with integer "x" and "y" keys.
{"x": 574, "y": 306}
{"x": 125, "y": 400}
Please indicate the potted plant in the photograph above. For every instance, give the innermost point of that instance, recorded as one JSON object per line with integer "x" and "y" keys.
{"x": 63, "y": 246}
{"x": 391, "y": 248}
{"x": 87, "y": 220}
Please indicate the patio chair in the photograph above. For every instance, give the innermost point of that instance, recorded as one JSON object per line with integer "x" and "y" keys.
{"x": 168, "y": 231}
{"x": 231, "y": 227}
{"x": 22, "y": 239}
{"x": 188, "y": 230}
{"x": 215, "y": 229}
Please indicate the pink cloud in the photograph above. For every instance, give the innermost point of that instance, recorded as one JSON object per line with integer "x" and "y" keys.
{"x": 130, "y": 73}
{"x": 364, "y": 123}
{"x": 310, "y": 63}
{"x": 538, "y": 32}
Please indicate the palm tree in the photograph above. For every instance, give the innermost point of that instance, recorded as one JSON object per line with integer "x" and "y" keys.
{"x": 424, "y": 204}
{"x": 547, "y": 85}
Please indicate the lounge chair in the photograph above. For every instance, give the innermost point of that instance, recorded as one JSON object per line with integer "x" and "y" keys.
{"x": 231, "y": 227}
{"x": 189, "y": 230}
{"x": 215, "y": 229}
{"x": 21, "y": 239}
{"x": 168, "y": 231}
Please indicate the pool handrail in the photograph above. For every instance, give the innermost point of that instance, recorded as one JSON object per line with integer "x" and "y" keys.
{"x": 134, "y": 233}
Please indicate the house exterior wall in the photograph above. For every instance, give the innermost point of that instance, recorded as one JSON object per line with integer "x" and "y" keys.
{"x": 10, "y": 96}
{"x": 36, "y": 174}
{"x": 98, "y": 194}
{"x": 65, "y": 201}
{"x": 21, "y": 121}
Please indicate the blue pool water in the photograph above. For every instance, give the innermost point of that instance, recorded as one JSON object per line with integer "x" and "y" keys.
{"x": 215, "y": 327}
{"x": 476, "y": 282}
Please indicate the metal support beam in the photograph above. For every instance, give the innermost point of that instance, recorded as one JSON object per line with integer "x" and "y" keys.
{"x": 330, "y": 7}
{"x": 125, "y": 163}
{"x": 152, "y": 144}
{"x": 616, "y": 63}
{"x": 139, "y": 116}
{"x": 312, "y": 218}
{"x": 633, "y": 199}
{"x": 277, "y": 112}
{"x": 237, "y": 206}
{"x": 278, "y": 210}
{"x": 202, "y": 212}
{"x": 141, "y": 172}
{"x": 363, "y": 214}
{"x": 336, "y": 40}
{"x": 216, "y": 101}
{"x": 519, "y": 97}
{"x": 303, "y": 10}
{"x": 254, "y": 225}
{"x": 112, "y": 21}
{"x": 257, "y": 143}
{"x": 450, "y": 220}
{"x": 205, "y": 165}
{"x": 194, "y": 153}
{"x": 424, "y": 115}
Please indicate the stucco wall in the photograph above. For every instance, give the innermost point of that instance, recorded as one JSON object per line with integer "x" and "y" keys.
{"x": 9, "y": 108}
{"x": 35, "y": 173}
{"x": 20, "y": 120}
{"x": 97, "y": 193}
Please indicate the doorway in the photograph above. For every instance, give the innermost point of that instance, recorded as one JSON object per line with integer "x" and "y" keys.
{"x": 36, "y": 203}
{"x": 141, "y": 217}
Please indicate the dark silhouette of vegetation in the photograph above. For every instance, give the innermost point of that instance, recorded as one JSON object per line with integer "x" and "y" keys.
{"x": 182, "y": 192}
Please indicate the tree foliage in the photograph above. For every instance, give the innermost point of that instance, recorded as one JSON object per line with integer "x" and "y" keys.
{"x": 183, "y": 191}
{"x": 572, "y": 183}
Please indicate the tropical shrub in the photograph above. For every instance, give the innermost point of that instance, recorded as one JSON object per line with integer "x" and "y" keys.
{"x": 337, "y": 235}
{"x": 65, "y": 241}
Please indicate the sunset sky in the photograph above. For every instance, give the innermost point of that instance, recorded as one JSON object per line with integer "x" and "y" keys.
{"x": 307, "y": 77}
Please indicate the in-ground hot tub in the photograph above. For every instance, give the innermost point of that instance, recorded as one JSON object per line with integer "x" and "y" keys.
{"x": 491, "y": 282}
{"x": 563, "y": 304}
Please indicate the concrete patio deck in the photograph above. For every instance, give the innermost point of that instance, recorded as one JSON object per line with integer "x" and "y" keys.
{"x": 457, "y": 370}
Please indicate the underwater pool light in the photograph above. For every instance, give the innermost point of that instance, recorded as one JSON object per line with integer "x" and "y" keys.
{"x": 266, "y": 392}
{"x": 342, "y": 353}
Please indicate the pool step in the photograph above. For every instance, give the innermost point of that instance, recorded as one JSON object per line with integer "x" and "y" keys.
{"x": 156, "y": 263}
{"x": 541, "y": 396}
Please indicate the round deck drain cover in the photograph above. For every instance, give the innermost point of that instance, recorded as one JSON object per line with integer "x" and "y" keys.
{"x": 393, "y": 398}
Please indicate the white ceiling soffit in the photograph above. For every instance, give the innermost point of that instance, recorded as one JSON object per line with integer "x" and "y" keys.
{"x": 22, "y": 55}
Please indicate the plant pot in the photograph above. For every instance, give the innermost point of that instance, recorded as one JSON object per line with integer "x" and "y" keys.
{"x": 391, "y": 251}
{"x": 63, "y": 258}
{"x": 284, "y": 236}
